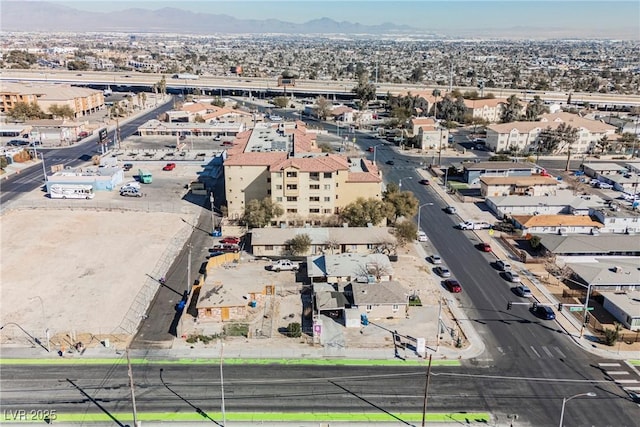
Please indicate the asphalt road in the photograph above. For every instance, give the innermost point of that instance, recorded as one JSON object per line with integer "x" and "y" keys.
{"x": 182, "y": 388}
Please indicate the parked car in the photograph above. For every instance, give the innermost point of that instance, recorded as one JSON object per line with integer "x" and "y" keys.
{"x": 524, "y": 291}
{"x": 283, "y": 265}
{"x": 424, "y": 182}
{"x": 484, "y": 247}
{"x": 630, "y": 197}
{"x": 471, "y": 225}
{"x": 225, "y": 248}
{"x": 442, "y": 271}
{"x": 169, "y": 167}
{"x": 130, "y": 192}
{"x": 503, "y": 265}
{"x": 435, "y": 259}
{"x": 217, "y": 138}
{"x": 604, "y": 186}
{"x": 231, "y": 240}
{"x": 18, "y": 142}
{"x": 453, "y": 285}
{"x": 544, "y": 312}
{"x": 390, "y": 162}
{"x": 371, "y": 149}
{"x": 127, "y": 166}
{"x": 227, "y": 142}
{"x": 422, "y": 236}
{"x": 512, "y": 276}
{"x": 450, "y": 210}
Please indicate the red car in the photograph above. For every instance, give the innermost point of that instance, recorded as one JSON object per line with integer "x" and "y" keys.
{"x": 230, "y": 240}
{"x": 484, "y": 247}
{"x": 371, "y": 149}
{"x": 453, "y": 285}
{"x": 169, "y": 167}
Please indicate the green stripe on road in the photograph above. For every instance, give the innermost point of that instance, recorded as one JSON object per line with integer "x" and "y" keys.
{"x": 635, "y": 362}
{"x": 231, "y": 361}
{"x": 453, "y": 417}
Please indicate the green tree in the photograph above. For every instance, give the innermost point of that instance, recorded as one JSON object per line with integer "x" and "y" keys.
{"x": 436, "y": 94}
{"x": 399, "y": 203}
{"x": 511, "y": 110}
{"x": 534, "y": 241}
{"x": 416, "y": 75}
{"x": 405, "y": 231}
{"x": 63, "y": 111}
{"x": 25, "y": 111}
{"x": 628, "y": 139}
{"x": 548, "y": 140}
{"x": 603, "y": 144}
{"x": 322, "y": 108}
{"x": 218, "y": 102}
{"x": 78, "y": 65}
{"x": 259, "y": 213}
{"x": 299, "y": 245}
{"x": 535, "y": 108}
{"x": 364, "y": 211}
{"x": 365, "y": 91}
{"x": 281, "y": 101}
{"x": 294, "y": 330}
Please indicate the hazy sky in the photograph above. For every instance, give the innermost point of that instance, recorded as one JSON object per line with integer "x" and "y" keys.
{"x": 443, "y": 15}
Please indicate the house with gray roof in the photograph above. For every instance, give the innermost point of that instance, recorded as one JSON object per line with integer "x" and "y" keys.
{"x": 617, "y": 219}
{"x": 347, "y": 267}
{"x": 587, "y": 245}
{"x": 608, "y": 273}
{"x": 472, "y": 171}
{"x": 624, "y": 306}
{"x": 274, "y": 242}
{"x": 563, "y": 202}
{"x": 378, "y": 300}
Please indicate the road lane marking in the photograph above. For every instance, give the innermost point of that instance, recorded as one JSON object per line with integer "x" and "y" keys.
{"x": 608, "y": 364}
{"x": 534, "y": 350}
{"x": 546, "y": 350}
{"x": 625, "y": 381}
{"x": 560, "y": 352}
{"x": 617, "y": 372}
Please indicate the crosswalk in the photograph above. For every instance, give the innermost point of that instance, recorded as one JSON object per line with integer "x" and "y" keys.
{"x": 537, "y": 352}
{"x": 623, "y": 375}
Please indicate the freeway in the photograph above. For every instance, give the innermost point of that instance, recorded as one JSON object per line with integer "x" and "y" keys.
{"x": 75, "y": 155}
{"x": 340, "y": 87}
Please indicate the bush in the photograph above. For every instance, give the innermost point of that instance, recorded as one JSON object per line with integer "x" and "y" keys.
{"x": 294, "y": 330}
{"x": 612, "y": 335}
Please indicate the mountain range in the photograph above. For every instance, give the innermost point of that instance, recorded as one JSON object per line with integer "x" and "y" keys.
{"x": 36, "y": 16}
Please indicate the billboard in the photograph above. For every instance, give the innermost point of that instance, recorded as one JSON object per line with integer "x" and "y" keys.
{"x": 102, "y": 136}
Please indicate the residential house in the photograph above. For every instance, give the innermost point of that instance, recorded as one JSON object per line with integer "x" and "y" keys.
{"x": 357, "y": 240}
{"x": 489, "y": 109}
{"x": 606, "y": 273}
{"x": 534, "y": 185}
{"x": 348, "y": 267}
{"x": 590, "y": 246}
{"x": 556, "y": 224}
{"x": 472, "y": 171}
{"x": 624, "y": 306}
{"x": 378, "y": 300}
{"x": 616, "y": 219}
{"x": 602, "y": 169}
{"x": 523, "y": 136}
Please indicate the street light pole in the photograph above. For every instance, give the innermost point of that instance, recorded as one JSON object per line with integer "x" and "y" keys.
{"x": 419, "y": 208}
{"x": 375, "y": 151}
{"x": 565, "y": 400}
{"x": 44, "y": 321}
{"x": 402, "y": 179}
{"x": 224, "y": 416}
{"x": 213, "y": 222}
{"x": 585, "y": 309}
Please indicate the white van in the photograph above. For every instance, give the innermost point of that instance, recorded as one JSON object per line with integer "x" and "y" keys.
{"x": 130, "y": 192}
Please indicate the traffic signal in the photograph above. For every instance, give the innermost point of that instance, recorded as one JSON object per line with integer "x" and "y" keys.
{"x": 560, "y": 307}
{"x": 534, "y": 306}
{"x": 509, "y": 305}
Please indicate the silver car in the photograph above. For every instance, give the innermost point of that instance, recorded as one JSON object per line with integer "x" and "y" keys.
{"x": 443, "y": 271}
{"x": 435, "y": 259}
{"x": 523, "y": 291}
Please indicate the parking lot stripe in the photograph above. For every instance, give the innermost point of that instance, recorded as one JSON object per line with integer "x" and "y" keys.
{"x": 534, "y": 350}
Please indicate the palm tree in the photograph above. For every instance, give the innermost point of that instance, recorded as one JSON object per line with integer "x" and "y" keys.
{"x": 436, "y": 94}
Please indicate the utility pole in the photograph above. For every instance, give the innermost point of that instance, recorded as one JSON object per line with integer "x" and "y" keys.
{"x": 133, "y": 394}
{"x": 224, "y": 415}
{"x": 426, "y": 392}
{"x": 439, "y": 324}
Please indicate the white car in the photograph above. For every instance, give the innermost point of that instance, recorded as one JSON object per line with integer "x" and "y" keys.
{"x": 524, "y": 291}
{"x": 435, "y": 259}
{"x": 604, "y": 186}
{"x": 630, "y": 197}
{"x": 422, "y": 236}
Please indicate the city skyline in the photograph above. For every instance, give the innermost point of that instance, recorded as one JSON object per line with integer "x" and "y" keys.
{"x": 544, "y": 19}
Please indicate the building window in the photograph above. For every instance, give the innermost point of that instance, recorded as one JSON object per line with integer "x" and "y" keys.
{"x": 314, "y": 199}
{"x": 314, "y": 176}
{"x": 292, "y": 199}
{"x": 314, "y": 187}
{"x": 269, "y": 192}
{"x": 327, "y": 211}
{"x": 292, "y": 187}
{"x": 268, "y": 247}
{"x": 327, "y": 175}
{"x": 278, "y": 187}
{"x": 292, "y": 210}
{"x": 314, "y": 210}
{"x": 394, "y": 307}
{"x": 278, "y": 174}
{"x": 327, "y": 186}
{"x": 369, "y": 307}
{"x": 292, "y": 174}
{"x": 268, "y": 179}
{"x": 278, "y": 199}
{"x": 327, "y": 199}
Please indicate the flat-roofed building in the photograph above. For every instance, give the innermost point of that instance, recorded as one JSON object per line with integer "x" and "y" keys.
{"x": 534, "y": 185}
{"x": 82, "y": 101}
{"x": 563, "y": 202}
{"x": 472, "y": 171}
{"x": 624, "y": 306}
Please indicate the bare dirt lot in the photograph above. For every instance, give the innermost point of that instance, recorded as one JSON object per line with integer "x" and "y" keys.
{"x": 76, "y": 270}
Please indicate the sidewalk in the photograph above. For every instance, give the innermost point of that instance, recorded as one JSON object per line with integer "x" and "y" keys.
{"x": 468, "y": 211}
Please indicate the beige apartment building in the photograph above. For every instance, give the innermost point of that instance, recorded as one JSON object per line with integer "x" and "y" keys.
{"x": 524, "y": 135}
{"x": 81, "y": 100}
{"x": 284, "y": 163}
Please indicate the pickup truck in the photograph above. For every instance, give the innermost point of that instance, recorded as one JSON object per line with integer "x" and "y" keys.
{"x": 283, "y": 265}
{"x": 470, "y": 225}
